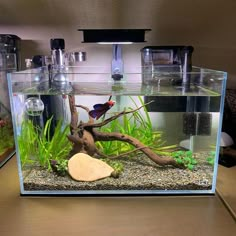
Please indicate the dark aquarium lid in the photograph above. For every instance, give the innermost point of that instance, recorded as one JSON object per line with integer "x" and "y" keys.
{"x": 113, "y": 35}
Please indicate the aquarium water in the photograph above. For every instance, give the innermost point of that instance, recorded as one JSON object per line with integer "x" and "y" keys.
{"x": 159, "y": 138}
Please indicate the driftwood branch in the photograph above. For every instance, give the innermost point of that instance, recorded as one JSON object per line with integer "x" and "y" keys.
{"x": 91, "y": 120}
{"x": 84, "y": 135}
{"x": 120, "y": 155}
{"x": 102, "y": 136}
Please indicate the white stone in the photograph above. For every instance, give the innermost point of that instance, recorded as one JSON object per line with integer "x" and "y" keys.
{"x": 83, "y": 167}
{"x": 226, "y": 140}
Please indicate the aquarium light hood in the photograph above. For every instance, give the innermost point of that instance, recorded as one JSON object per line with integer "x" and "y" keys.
{"x": 115, "y": 43}
{"x": 116, "y": 37}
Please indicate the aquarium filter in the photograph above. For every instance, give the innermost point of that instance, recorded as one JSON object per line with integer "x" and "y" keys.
{"x": 197, "y": 120}
{"x": 57, "y": 52}
{"x": 190, "y": 123}
{"x": 197, "y": 123}
{"x": 74, "y": 58}
{"x": 204, "y": 123}
{"x": 11, "y": 44}
{"x": 167, "y": 59}
{"x": 197, "y": 116}
{"x": 61, "y": 60}
{"x": 57, "y": 73}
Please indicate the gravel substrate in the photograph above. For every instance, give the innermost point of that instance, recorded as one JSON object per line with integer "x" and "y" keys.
{"x": 140, "y": 173}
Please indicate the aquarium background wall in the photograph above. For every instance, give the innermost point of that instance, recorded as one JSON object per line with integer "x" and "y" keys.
{"x": 172, "y": 23}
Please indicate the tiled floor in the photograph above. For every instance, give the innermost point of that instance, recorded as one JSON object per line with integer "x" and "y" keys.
{"x": 154, "y": 216}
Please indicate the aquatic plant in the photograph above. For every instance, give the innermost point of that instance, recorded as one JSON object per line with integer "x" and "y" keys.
{"x": 146, "y": 131}
{"x": 211, "y": 158}
{"x": 57, "y": 147}
{"x": 6, "y": 136}
{"x": 84, "y": 136}
{"x": 27, "y": 142}
{"x": 186, "y": 158}
{"x": 37, "y": 146}
{"x": 60, "y": 167}
{"x": 135, "y": 125}
{"x": 116, "y": 165}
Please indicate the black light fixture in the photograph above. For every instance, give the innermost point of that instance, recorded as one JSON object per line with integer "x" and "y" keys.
{"x": 116, "y": 37}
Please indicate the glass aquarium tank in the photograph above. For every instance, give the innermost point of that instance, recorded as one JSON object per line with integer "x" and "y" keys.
{"x": 79, "y": 132}
{"x": 8, "y": 62}
{"x": 7, "y": 145}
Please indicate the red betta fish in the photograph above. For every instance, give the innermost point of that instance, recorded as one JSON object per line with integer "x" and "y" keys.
{"x": 101, "y": 109}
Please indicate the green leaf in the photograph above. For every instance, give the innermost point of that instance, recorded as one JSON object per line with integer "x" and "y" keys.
{"x": 187, "y": 159}
{"x": 190, "y": 166}
{"x": 179, "y": 161}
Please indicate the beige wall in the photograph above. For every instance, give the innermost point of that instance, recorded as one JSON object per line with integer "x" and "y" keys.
{"x": 208, "y": 25}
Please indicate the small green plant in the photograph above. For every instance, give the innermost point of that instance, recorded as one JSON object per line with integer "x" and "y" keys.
{"x": 116, "y": 165}
{"x": 36, "y": 145}
{"x": 27, "y": 143}
{"x": 211, "y": 158}
{"x": 186, "y": 158}
{"x": 60, "y": 167}
{"x": 56, "y": 147}
{"x": 6, "y": 136}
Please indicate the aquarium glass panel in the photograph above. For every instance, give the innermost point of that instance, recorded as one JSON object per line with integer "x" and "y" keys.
{"x": 79, "y": 132}
{"x": 7, "y": 146}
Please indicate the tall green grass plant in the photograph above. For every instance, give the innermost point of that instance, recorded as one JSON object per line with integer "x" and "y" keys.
{"x": 36, "y": 146}
{"x": 136, "y": 125}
